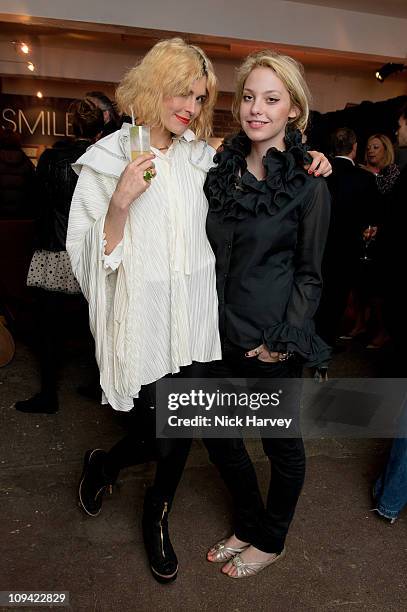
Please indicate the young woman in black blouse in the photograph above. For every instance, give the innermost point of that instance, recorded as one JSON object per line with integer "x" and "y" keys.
{"x": 267, "y": 224}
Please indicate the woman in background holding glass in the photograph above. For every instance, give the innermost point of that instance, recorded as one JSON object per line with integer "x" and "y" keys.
{"x": 379, "y": 159}
{"x": 369, "y": 295}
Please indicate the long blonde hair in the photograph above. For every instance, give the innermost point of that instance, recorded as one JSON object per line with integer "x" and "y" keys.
{"x": 168, "y": 69}
{"x": 289, "y": 71}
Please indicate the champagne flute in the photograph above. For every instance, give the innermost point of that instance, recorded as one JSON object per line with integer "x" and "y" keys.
{"x": 140, "y": 145}
{"x": 368, "y": 236}
{"x": 139, "y": 140}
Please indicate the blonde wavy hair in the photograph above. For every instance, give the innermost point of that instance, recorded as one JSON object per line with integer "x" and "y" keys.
{"x": 168, "y": 69}
{"x": 289, "y": 71}
{"x": 388, "y": 149}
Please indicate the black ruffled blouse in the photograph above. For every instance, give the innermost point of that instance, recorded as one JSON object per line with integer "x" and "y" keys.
{"x": 268, "y": 237}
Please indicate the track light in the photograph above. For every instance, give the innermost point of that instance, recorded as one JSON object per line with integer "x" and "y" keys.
{"x": 389, "y": 69}
{"x": 21, "y": 47}
{"x": 29, "y": 65}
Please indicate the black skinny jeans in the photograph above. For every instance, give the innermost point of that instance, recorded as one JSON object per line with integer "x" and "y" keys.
{"x": 265, "y": 527}
{"x": 140, "y": 444}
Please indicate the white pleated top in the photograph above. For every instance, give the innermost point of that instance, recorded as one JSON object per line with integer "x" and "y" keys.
{"x": 152, "y": 302}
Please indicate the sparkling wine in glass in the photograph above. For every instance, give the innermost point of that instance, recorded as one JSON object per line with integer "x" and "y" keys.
{"x": 139, "y": 141}
{"x": 368, "y": 237}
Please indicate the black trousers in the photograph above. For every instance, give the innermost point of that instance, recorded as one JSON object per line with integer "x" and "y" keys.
{"x": 52, "y": 310}
{"x": 338, "y": 283}
{"x": 264, "y": 526}
{"x": 140, "y": 444}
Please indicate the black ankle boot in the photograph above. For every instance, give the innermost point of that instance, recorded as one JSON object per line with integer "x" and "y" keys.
{"x": 40, "y": 403}
{"x": 162, "y": 558}
{"x": 94, "y": 482}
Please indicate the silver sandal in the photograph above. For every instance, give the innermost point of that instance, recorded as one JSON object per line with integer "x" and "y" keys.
{"x": 246, "y": 570}
{"x": 225, "y": 553}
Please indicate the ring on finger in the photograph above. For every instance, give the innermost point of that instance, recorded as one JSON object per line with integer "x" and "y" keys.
{"x": 148, "y": 174}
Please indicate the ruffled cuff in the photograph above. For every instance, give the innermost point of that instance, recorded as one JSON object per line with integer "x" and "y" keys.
{"x": 282, "y": 337}
{"x": 112, "y": 261}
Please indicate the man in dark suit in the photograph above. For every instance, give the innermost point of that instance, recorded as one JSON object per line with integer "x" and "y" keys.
{"x": 394, "y": 238}
{"x": 390, "y": 490}
{"x": 353, "y": 209}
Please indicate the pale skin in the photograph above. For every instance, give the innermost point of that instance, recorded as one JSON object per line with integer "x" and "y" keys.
{"x": 375, "y": 153}
{"x": 265, "y": 110}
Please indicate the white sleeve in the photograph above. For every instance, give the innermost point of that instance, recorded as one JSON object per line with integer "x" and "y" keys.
{"x": 90, "y": 201}
{"x": 112, "y": 261}
{"x": 85, "y": 238}
{"x": 85, "y": 247}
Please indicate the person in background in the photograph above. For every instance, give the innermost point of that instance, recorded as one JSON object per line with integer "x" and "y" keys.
{"x": 110, "y": 117}
{"x": 390, "y": 489}
{"x": 17, "y": 179}
{"x": 50, "y": 271}
{"x": 402, "y": 131}
{"x": 401, "y": 157}
{"x": 354, "y": 207}
{"x": 19, "y": 199}
{"x": 379, "y": 160}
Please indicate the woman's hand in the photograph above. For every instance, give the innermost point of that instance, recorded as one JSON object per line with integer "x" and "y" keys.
{"x": 320, "y": 164}
{"x": 130, "y": 186}
{"x": 263, "y": 354}
{"x": 132, "y": 182}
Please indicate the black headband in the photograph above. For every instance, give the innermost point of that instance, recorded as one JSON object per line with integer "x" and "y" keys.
{"x": 203, "y": 60}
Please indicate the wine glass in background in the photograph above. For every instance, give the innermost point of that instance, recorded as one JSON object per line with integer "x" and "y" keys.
{"x": 368, "y": 236}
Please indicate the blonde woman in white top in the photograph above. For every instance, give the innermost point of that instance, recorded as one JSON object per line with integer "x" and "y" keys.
{"x": 140, "y": 253}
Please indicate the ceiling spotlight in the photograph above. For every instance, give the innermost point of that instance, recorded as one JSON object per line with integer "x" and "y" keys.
{"x": 24, "y": 48}
{"x": 39, "y": 94}
{"x": 388, "y": 69}
{"x": 30, "y": 66}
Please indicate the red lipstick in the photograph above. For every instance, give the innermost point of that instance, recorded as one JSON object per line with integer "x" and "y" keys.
{"x": 182, "y": 119}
